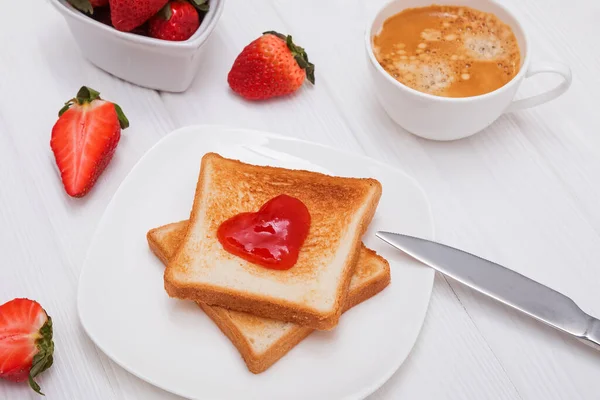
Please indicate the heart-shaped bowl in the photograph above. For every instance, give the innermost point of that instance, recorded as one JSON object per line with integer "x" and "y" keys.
{"x": 144, "y": 61}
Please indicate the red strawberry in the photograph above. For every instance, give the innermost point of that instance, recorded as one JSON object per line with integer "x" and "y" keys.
{"x": 84, "y": 139}
{"x": 99, "y": 3}
{"x": 26, "y": 345}
{"x": 129, "y": 14}
{"x": 270, "y": 66}
{"x": 102, "y": 15}
{"x": 176, "y": 21}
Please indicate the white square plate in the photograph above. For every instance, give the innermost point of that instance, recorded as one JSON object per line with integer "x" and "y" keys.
{"x": 171, "y": 343}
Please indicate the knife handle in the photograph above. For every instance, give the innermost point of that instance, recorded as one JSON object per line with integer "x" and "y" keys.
{"x": 592, "y": 334}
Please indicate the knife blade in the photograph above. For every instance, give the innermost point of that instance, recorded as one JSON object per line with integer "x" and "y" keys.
{"x": 502, "y": 284}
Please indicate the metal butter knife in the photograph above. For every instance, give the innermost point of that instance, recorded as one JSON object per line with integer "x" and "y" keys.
{"x": 509, "y": 287}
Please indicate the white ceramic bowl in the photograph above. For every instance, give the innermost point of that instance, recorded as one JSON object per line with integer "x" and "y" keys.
{"x": 153, "y": 63}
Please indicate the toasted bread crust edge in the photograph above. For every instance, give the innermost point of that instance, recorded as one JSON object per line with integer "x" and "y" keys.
{"x": 256, "y": 363}
{"x": 350, "y": 267}
{"x": 271, "y": 308}
{"x": 372, "y": 287}
{"x": 155, "y": 247}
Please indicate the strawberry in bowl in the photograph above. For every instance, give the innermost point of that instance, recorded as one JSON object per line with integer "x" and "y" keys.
{"x": 175, "y": 20}
{"x": 116, "y": 37}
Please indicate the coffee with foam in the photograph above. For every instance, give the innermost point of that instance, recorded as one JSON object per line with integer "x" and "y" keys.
{"x": 448, "y": 51}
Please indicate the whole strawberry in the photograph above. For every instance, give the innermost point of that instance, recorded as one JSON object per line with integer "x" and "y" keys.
{"x": 127, "y": 15}
{"x": 26, "y": 346}
{"x": 176, "y": 21}
{"x": 85, "y": 138}
{"x": 270, "y": 66}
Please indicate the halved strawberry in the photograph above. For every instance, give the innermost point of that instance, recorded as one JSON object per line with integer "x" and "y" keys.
{"x": 85, "y": 138}
{"x": 26, "y": 345}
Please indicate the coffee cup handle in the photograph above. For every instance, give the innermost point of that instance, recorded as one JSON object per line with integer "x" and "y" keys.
{"x": 541, "y": 68}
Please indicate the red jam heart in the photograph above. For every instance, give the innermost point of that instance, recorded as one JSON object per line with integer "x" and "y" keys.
{"x": 271, "y": 237}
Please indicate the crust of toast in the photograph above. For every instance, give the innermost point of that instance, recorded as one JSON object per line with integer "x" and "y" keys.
{"x": 369, "y": 289}
{"x": 255, "y": 363}
{"x": 164, "y": 247}
{"x": 262, "y": 304}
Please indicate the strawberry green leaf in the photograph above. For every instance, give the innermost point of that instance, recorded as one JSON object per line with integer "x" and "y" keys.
{"x": 123, "y": 121}
{"x": 299, "y": 55}
{"x": 84, "y": 6}
{"x": 302, "y": 59}
{"x": 310, "y": 72}
{"x": 87, "y": 95}
{"x": 36, "y": 388}
{"x": 201, "y": 5}
{"x": 279, "y": 35}
{"x": 84, "y": 95}
{"x": 44, "y": 357}
{"x": 67, "y": 105}
{"x": 165, "y": 12}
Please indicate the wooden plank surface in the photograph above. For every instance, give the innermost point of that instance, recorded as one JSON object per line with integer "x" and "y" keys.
{"x": 523, "y": 193}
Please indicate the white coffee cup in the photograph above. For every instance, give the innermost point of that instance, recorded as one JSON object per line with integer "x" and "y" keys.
{"x": 445, "y": 118}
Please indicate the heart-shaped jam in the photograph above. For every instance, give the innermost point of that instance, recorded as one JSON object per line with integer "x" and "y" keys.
{"x": 272, "y": 236}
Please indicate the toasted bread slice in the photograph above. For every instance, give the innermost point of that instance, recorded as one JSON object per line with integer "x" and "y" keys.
{"x": 313, "y": 291}
{"x": 262, "y": 341}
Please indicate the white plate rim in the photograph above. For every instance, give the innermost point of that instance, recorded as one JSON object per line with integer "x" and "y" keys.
{"x": 367, "y": 390}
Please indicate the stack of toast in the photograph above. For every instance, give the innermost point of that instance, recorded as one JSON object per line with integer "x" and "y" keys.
{"x": 265, "y": 312}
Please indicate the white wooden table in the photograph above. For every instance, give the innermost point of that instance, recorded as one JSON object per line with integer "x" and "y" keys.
{"x": 525, "y": 192}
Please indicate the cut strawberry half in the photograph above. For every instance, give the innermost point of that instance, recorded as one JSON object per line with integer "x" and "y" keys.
{"x": 26, "y": 346}
{"x": 85, "y": 138}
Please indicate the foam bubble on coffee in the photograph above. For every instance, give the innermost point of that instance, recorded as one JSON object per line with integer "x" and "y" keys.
{"x": 484, "y": 47}
{"x": 426, "y": 76}
{"x": 448, "y": 50}
{"x": 431, "y": 35}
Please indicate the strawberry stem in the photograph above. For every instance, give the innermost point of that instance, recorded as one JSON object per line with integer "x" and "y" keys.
{"x": 87, "y": 95}
{"x": 299, "y": 55}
